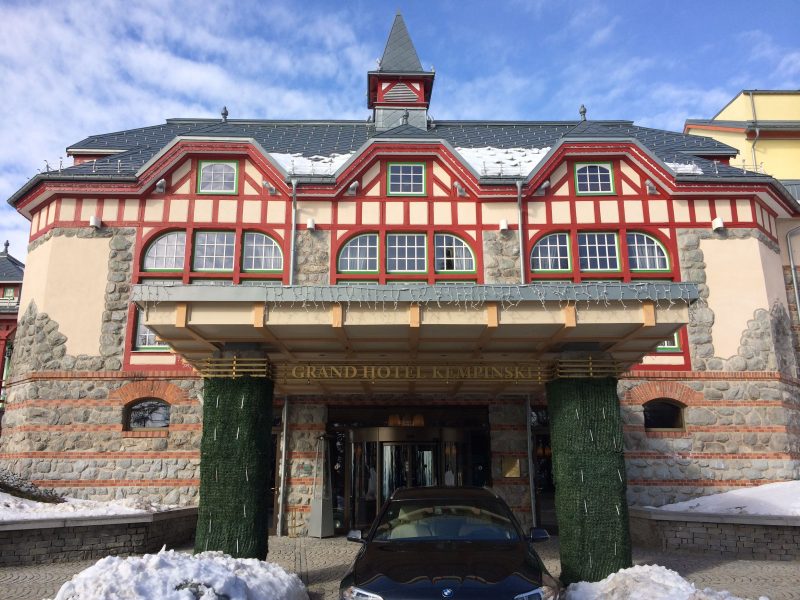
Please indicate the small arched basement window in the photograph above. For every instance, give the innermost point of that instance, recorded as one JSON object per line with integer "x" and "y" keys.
{"x": 663, "y": 413}
{"x": 149, "y": 413}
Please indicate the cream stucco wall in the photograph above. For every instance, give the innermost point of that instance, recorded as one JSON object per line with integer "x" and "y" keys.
{"x": 775, "y": 107}
{"x": 67, "y": 277}
{"x": 743, "y": 276}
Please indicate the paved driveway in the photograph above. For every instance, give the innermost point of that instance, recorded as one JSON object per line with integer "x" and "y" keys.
{"x": 321, "y": 563}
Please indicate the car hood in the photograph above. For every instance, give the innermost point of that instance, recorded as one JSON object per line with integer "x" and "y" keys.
{"x": 464, "y": 567}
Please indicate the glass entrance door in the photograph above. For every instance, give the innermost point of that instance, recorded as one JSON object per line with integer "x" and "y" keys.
{"x": 408, "y": 465}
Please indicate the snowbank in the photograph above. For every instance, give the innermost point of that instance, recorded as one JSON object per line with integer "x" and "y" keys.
{"x": 13, "y": 508}
{"x": 178, "y": 576}
{"x": 775, "y": 499}
{"x": 644, "y": 582}
{"x": 490, "y": 161}
{"x": 297, "y": 164}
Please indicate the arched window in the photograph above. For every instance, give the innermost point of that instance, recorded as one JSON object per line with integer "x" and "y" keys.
{"x": 359, "y": 255}
{"x": 551, "y": 253}
{"x": 594, "y": 178}
{"x": 452, "y": 254}
{"x": 166, "y": 252}
{"x": 663, "y": 413}
{"x": 261, "y": 253}
{"x": 217, "y": 178}
{"x": 148, "y": 413}
{"x": 645, "y": 253}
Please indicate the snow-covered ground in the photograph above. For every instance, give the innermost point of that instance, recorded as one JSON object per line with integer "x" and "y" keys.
{"x": 644, "y": 582}
{"x": 171, "y": 575}
{"x": 776, "y": 499}
{"x": 13, "y": 508}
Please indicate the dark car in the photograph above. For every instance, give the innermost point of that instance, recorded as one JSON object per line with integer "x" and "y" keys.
{"x": 447, "y": 543}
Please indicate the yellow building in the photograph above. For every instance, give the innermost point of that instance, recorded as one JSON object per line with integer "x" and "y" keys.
{"x": 764, "y": 125}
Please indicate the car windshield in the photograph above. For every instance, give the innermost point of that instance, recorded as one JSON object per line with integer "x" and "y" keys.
{"x": 437, "y": 520}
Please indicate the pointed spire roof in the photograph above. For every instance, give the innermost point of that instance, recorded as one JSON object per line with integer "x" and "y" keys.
{"x": 399, "y": 56}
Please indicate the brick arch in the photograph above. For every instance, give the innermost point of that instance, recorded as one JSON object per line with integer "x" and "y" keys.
{"x": 161, "y": 390}
{"x": 651, "y": 390}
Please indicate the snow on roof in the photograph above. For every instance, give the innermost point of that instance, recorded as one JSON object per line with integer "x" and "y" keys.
{"x": 494, "y": 162}
{"x": 297, "y": 164}
{"x": 176, "y": 576}
{"x": 685, "y": 169}
{"x": 13, "y": 508}
{"x": 778, "y": 499}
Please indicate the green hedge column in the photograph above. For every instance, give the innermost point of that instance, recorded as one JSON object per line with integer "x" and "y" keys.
{"x": 589, "y": 475}
{"x": 234, "y": 467}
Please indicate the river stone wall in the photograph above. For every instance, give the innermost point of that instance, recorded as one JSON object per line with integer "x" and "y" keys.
{"x": 312, "y": 256}
{"x": 501, "y": 257}
{"x": 509, "y": 446}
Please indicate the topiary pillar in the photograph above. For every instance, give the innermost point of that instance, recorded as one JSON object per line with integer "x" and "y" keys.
{"x": 234, "y": 467}
{"x": 589, "y": 475}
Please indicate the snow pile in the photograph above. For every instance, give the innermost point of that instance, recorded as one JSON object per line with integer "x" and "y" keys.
{"x": 644, "y": 582}
{"x": 14, "y": 484}
{"x": 685, "y": 169}
{"x": 778, "y": 499}
{"x": 490, "y": 161}
{"x": 171, "y": 575}
{"x": 13, "y": 508}
{"x": 297, "y": 164}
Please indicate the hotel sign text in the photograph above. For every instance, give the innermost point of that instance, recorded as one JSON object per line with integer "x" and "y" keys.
{"x": 411, "y": 372}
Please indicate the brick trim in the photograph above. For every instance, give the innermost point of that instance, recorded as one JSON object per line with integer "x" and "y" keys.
{"x": 703, "y": 482}
{"x": 77, "y": 455}
{"x": 84, "y": 483}
{"x": 136, "y": 390}
{"x": 650, "y": 390}
{"x": 721, "y": 455}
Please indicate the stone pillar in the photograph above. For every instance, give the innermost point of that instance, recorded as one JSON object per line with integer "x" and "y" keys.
{"x": 589, "y": 475}
{"x": 509, "y": 444}
{"x": 234, "y": 467}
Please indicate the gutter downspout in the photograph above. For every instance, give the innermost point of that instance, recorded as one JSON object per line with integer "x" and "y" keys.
{"x": 758, "y": 134}
{"x": 519, "y": 234}
{"x": 292, "y": 242}
{"x": 793, "y": 266}
{"x": 284, "y": 452}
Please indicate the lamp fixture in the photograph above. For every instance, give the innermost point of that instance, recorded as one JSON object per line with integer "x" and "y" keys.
{"x": 652, "y": 190}
{"x": 718, "y": 225}
{"x": 269, "y": 187}
{"x": 311, "y": 224}
{"x": 503, "y": 225}
{"x": 460, "y": 189}
{"x": 95, "y": 222}
{"x": 161, "y": 186}
{"x": 542, "y": 189}
{"x": 352, "y": 190}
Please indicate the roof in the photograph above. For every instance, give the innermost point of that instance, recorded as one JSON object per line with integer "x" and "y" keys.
{"x": 11, "y": 270}
{"x": 399, "y": 56}
{"x": 766, "y": 125}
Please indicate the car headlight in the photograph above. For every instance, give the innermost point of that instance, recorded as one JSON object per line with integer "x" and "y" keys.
{"x": 541, "y": 593}
{"x": 354, "y": 593}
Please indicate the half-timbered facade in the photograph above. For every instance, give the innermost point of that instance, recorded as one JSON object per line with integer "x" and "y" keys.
{"x": 410, "y": 286}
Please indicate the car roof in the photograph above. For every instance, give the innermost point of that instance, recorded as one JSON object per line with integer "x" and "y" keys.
{"x": 444, "y": 493}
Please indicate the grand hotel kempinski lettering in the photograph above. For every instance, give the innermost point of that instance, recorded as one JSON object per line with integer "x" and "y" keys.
{"x": 412, "y": 372}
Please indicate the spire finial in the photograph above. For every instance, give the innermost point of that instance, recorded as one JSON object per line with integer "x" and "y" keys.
{"x": 6, "y": 247}
{"x": 224, "y": 114}
{"x": 582, "y": 110}
{"x": 405, "y": 117}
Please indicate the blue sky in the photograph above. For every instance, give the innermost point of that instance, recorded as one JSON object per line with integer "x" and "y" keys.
{"x": 72, "y": 69}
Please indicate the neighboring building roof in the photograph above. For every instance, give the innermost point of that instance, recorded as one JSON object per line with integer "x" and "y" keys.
{"x": 793, "y": 187}
{"x": 399, "y": 56}
{"x": 11, "y": 270}
{"x": 746, "y": 125}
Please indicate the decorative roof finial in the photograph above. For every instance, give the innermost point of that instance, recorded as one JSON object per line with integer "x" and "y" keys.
{"x": 405, "y": 117}
{"x": 6, "y": 247}
{"x": 224, "y": 114}
{"x": 582, "y": 110}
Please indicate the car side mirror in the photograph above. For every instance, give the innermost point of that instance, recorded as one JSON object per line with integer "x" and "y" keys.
{"x": 354, "y": 535}
{"x": 538, "y": 535}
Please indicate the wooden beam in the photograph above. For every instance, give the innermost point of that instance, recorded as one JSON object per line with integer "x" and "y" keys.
{"x": 414, "y": 319}
{"x": 648, "y": 313}
{"x": 181, "y": 322}
{"x": 570, "y": 314}
{"x": 259, "y": 323}
{"x": 492, "y": 323}
{"x": 337, "y": 322}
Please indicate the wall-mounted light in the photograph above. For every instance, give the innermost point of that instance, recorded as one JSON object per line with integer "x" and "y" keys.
{"x": 460, "y": 189}
{"x": 269, "y": 187}
{"x": 311, "y": 224}
{"x": 161, "y": 186}
{"x": 503, "y": 225}
{"x": 652, "y": 190}
{"x": 95, "y": 222}
{"x": 352, "y": 190}
{"x": 542, "y": 189}
{"x": 718, "y": 225}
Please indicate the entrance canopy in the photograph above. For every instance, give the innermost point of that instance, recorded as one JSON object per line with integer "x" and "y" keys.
{"x": 452, "y": 338}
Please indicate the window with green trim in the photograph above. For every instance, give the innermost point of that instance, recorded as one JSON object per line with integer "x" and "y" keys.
{"x": 598, "y": 251}
{"x": 8, "y": 292}
{"x": 595, "y": 178}
{"x": 213, "y": 251}
{"x": 645, "y": 253}
{"x": 551, "y": 253}
{"x": 166, "y": 252}
{"x": 217, "y": 177}
{"x": 406, "y": 179}
{"x": 359, "y": 255}
{"x": 406, "y": 253}
{"x": 261, "y": 253}
{"x": 672, "y": 344}
{"x": 146, "y": 338}
{"x": 452, "y": 254}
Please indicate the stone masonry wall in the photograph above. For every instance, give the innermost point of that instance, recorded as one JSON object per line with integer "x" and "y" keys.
{"x": 501, "y": 257}
{"x": 509, "y": 443}
{"x": 312, "y": 255}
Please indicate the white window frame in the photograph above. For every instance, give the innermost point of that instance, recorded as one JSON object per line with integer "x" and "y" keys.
{"x": 227, "y": 256}
{"x": 402, "y": 180}
{"x": 267, "y": 245}
{"x": 589, "y": 192}
{"x": 394, "y": 249}
{"x": 607, "y": 235}
{"x": 544, "y": 243}
{"x": 650, "y": 244}
{"x": 168, "y": 251}
{"x": 362, "y": 245}
{"x": 146, "y": 339}
{"x": 462, "y": 256}
{"x": 206, "y": 185}
{"x": 672, "y": 344}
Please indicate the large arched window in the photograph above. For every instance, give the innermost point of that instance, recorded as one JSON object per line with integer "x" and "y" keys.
{"x": 217, "y": 178}
{"x": 551, "y": 253}
{"x": 452, "y": 254}
{"x": 663, "y": 413}
{"x": 166, "y": 252}
{"x": 261, "y": 253}
{"x": 645, "y": 253}
{"x": 594, "y": 178}
{"x": 148, "y": 413}
{"x": 359, "y": 255}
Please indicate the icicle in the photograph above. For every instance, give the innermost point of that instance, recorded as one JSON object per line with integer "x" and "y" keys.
{"x": 615, "y": 548}
{"x": 577, "y": 416}
{"x": 237, "y": 548}
{"x": 217, "y": 400}
{"x": 617, "y": 507}
{"x": 237, "y": 433}
{"x": 215, "y": 434}
{"x": 581, "y": 475}
{"x": 591, "y": 437}
{"x": 619, "y": 475}
{"x": 585, "y": 507}
{"x": 246, "y": 476}
{"x": 209, "y": 525}
{"x": 242, "y": 405}
{"x": 604, "y": 413}
{"x": 216, "y": 474}
{"x": 244, "y": 510}
{"x": 590, "y": 561}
